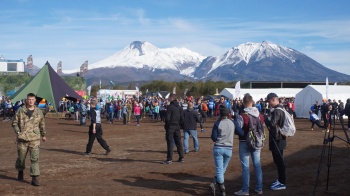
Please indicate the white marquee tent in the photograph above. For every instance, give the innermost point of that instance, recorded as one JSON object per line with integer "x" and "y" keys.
{"x": 312, "y": 93}
{"x": 257, "y": 94}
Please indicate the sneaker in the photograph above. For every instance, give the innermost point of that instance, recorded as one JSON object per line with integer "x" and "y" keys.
{"x": 259, "y": 192}
{"x": 181, "y": 160}
{"x": 196, "y": 150}
{"x": 278, "y": 186}
{"x": 108, "y": 151}
{"x": 241, "y": 192}
{"x": 186, "y": 152}
{"x": 274, "y": 183}
{"x": 312, "y": 129}
{"x": 138, "y": 125}
{"x": 202, "y": 131}
{"x": 86, "y": 154}
{"x": 167, "y": 162}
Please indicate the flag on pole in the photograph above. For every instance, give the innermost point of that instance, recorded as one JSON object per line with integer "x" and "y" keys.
{"x": 59, "y": 67}
{"x": 137, "y": 93}
{"x": 88, "y": 90}
{"x": 185, "y": 92}
{"x": 335, "y": 84}
{"x": 112, "y": 83}
{"x": 174, "y": 90}
{"x": 84, "y": 68}
{"x": 100, "y": 83}
{"x": 30, "y": 62}
{"x": 237, "y": 89}
{"x": 327, "y": 88}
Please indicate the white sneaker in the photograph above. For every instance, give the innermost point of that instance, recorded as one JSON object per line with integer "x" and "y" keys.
{"x": 259, "y": 192}
{"x": 277, "y": 186}
{"x": 312, "y": 129}
{"x": 241, "y": 192}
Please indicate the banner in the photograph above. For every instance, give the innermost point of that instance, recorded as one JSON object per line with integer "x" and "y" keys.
{"x": 84, "y": 68}
{"x": 237, "y": 89}
{"x": 88, "y": 90}
{"x": 137, "y": 93}
{"x": 59, "y": 67}
{"x": 327, "y": 88}
{"x": 30, "y": 62}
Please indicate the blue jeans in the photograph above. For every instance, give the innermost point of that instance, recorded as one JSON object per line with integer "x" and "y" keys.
{"x": 111, "y": 117}
{"x": 187, "y": 134}
{"x": 244, "y": 152}
{"x": 222, "y": 156}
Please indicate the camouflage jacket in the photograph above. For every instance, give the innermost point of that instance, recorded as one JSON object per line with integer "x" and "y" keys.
{"x": 29, "y": 129}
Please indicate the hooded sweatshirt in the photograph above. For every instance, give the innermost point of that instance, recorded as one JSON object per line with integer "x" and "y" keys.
{"x": 243, "y": 120}
{"x": 222, "y": 133}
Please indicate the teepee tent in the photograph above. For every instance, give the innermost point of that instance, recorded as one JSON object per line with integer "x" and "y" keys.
{"x": 47, "y": 84}
{"x": 312, "y": 93}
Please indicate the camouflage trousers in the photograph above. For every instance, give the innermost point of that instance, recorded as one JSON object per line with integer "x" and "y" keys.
{"x": 33, "y": 148}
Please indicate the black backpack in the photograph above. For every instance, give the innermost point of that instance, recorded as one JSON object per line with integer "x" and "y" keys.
{"x": 256, "y": 135}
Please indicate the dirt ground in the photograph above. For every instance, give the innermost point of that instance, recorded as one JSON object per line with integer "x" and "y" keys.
{"x": 133, "y": 167}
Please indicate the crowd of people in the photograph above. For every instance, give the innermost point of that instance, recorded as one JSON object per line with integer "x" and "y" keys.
{"x": 328, "y": 112}
{"x": 239, "y": 117}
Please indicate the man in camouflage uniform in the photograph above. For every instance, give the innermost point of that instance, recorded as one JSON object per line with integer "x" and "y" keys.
{"x": 29, "y": 125}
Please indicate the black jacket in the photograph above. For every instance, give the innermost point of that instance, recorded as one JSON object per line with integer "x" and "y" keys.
{"x": 190, "y": 119}
{"x": 276, "y": 120}
{"x": 174, "y": 116}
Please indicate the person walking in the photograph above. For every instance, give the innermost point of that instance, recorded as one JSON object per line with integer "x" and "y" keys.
{"x": 277, "y": 142}
{"x": 137, "y": 112}
{"x": 125, "y": 113}
{"x": 245, "y": 151}
{"x": 95, "y": 130}
{"x": 190, "y": 123}
{"x": 83, "y": 112}
{"x": 173, "y": 123}
{"x": 29, "y": 125}
{"x": 222, "y": 135}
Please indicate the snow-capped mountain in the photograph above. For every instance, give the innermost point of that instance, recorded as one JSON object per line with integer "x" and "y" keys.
{"x": 142, "y": 61}
{"x": 266, "y": 62}
{"x": 142, "y": 54}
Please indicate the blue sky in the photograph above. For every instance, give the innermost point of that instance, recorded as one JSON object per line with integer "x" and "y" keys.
{"x": 73, "y": 31}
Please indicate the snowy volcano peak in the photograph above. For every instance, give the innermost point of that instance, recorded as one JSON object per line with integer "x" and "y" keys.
{"x": 144, "y": 55}
{"x": 253, "y": 52}
{"x": 141, "y": 47}
{"x": 262, "y": 50}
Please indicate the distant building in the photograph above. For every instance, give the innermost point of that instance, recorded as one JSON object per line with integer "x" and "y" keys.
{"x": 11, "y": 65}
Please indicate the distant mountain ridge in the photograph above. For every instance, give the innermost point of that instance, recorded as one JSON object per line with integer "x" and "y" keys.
{"x": 142, "y": 61}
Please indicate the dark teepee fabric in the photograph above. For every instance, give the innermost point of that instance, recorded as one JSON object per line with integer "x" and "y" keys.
{"x": 47, "y": 84}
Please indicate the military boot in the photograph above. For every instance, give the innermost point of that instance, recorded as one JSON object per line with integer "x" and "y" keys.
{"x": 222, "y": 189}
{"x": 35, "y": 181}
{"x": 20, "y": 175}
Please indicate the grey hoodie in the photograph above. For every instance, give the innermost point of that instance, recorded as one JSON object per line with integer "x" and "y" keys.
{"x": 222, "y": 133}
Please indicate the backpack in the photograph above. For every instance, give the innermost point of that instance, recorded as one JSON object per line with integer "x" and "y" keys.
{"x": 288, "y": 128}
{"x": 205, "y": 107}
{"x": 256, "y": 135}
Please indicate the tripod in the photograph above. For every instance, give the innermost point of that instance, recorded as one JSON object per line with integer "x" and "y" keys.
{"x": 328, "y": 142}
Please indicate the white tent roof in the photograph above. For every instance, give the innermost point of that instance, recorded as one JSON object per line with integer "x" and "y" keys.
{"x": 312, "y": 93}
{"x": 257, "y": 94}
